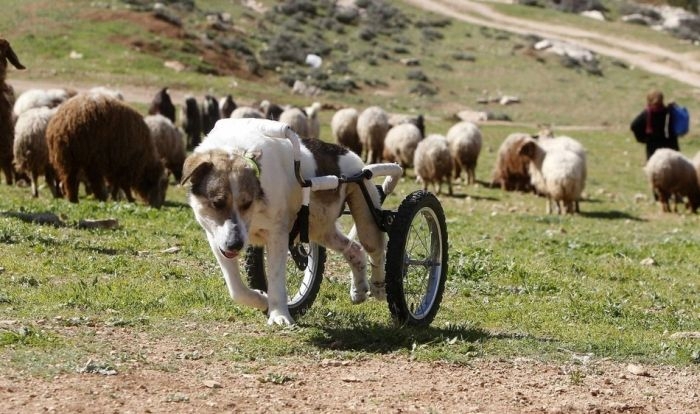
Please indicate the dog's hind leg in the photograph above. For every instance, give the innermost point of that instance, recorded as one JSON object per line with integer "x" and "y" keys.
{"x": 278, "y": 310}
{"x": 356, "y": 258}
{"x": 373, "y": 240}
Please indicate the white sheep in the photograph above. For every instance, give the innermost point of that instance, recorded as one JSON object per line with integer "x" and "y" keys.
{"x": 433, "y": 163}
{"x": 464, "y": 140}
{"x": 169, "y": 143}
{"x": 31, "y": 152}
{"x": 36, "y": 98}
{"x": 313, "y": 123}
{"x": 511, "y": 169}
{"x": 344, "y": 129}
{"x": 671, "y": 173}
{"x": 549, "y": 141}
{"x": 556, "y": 173}
{"x": 105, "y": 91}
{"x": 246, "y": 112}
{"x": 400, "y": 144}
{"x": 372, "y": 126}
{"x": 417, "y": 120}
{"x": 296, "y": 118}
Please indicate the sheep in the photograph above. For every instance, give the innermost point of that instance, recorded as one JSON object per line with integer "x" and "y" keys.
{"x": 344, "y": 129}
{"x": 7, "y": 131}
{"x": 417, "y": 120}
{"x": 270, "y": 110}
{"x": 549, "y": 141}
{"x": 314, "y": 126}
{"x": 464, "y": 140}
{"x": 433, "y": 163}
{"x": 169, "y": 144}
{"x": 296, "y": 118}
{"x": 31, "y": 152}
{"x": 671, "y": 173}
{"x": 191, "y": 122}
{"x": 105, "y": 139}
{"x": 555, "y": 172}
{"x": 226, "y": 106}
{"x": 162, "y": 104}
{"x": 511, "y": 169}
{"x": 400, "y": 144}
{"x": 36, "y": 98}
{"x": 372, "y": 126}
{"x": 246, "y": 112}
{"x": 210, "y": 113}
{"x": 102, "y": 90}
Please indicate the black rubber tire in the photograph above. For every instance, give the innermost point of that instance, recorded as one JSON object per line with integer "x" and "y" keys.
{"x": 416, "y": 260}
{"x": 302, "y": 286}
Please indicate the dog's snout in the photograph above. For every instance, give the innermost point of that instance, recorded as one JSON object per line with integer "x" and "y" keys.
{"x": 234, "y": 239}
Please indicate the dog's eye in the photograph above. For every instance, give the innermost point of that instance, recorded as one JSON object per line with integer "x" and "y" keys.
{"x": 219, "y": 203}
{"x": 245, "y": 206}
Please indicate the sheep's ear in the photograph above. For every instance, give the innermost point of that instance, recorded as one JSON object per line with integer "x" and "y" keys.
{"x": 10, "y": 55}
{"x": 195, "y": 167}
{"x": 527, "y": 149}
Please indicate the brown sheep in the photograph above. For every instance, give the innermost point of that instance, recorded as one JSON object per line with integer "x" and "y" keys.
{"x": 7, "y": 129}
{"x": 511, "y": 169}
{"x": 107, "y": 140}
{"x": 169, "y": 143}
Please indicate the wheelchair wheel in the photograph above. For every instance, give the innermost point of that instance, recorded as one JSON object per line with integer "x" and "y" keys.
{"x": 416, "y": 260}
{"x": 303, "y": 283}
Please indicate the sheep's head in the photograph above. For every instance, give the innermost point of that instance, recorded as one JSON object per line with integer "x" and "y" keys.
{"x": 154, "y": 184}
{"x": 8, "y": 55}
{"x": 528, "y": 148}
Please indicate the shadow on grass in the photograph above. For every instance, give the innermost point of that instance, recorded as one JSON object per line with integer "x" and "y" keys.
{"x": 385, "y": 339}
{"x": 610, "y": 215}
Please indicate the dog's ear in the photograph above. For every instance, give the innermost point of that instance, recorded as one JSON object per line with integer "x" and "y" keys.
{"x": 195, "y": 167}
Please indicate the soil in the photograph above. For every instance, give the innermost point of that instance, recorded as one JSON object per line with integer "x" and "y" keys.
{"x": 161, "y": 381}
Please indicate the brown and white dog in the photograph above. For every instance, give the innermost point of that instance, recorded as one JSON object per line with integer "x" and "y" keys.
{"x": 244, "y": 192}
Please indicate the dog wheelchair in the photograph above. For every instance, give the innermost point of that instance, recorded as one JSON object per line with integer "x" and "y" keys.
{"x": 416, "y": 249}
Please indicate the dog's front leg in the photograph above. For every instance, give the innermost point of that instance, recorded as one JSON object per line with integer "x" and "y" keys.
{"x": 278, "y": 310}
{"x": 240, "y": 293}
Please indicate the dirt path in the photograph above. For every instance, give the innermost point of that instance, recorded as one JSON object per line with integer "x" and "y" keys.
{"x": 683, "y": 67}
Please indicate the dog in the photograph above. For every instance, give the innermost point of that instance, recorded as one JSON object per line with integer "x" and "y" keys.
{"x": 243, "y": 191}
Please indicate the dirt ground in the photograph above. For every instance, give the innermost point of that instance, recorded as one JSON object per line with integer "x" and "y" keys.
{"x": 162, "y": 380}
{"x": 377, "y": 383}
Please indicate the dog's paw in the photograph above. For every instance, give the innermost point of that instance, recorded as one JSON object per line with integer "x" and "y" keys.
{"x": 378, "y": 290}
{"x": 280, "y": 318}
{"x": 358, "y": 293}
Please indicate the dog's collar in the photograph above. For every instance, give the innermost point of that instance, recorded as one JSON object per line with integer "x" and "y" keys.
{"x": 254, "y": 164}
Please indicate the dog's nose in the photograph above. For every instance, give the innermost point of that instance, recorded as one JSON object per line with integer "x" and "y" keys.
{"x": 234, "y": 244}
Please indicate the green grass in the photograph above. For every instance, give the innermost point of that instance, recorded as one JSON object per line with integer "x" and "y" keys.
{"x": 520, "y": 283}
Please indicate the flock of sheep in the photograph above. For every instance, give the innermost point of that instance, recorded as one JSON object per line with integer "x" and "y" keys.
{"x": 95, "y": 138}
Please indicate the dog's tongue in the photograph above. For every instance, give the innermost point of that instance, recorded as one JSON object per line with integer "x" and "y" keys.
{"x": 230, "y": 255}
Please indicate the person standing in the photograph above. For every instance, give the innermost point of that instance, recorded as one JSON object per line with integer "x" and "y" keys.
{"x": 653, "y": 125}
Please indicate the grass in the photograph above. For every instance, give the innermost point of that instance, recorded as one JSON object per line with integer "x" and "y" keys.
{"x": 520, "y": 283}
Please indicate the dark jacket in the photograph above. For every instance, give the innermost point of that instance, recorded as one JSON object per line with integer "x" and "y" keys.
{"x": 661, "y": 136}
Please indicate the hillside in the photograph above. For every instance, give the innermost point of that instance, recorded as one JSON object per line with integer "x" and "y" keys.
{"x": 390, "y": 54}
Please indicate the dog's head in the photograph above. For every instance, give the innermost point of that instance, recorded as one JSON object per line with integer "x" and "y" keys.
{"x": 225, "y": 190}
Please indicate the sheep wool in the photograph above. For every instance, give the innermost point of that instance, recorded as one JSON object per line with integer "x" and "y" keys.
{"x": 107, "y": 140}
{"x": 670, "y": 173}
{"x": 400, "y": 144}
{"x": 433, "y": 163}
{"x": 511, "y": 169}
{"x": 464, "y": 140}
{"x": 557, "y": 173}
{"x": 372, "y": 126}
{"x": 344, "y": 129}
{"x": 31, "y": 152}
{"x": 169, "y": 143}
